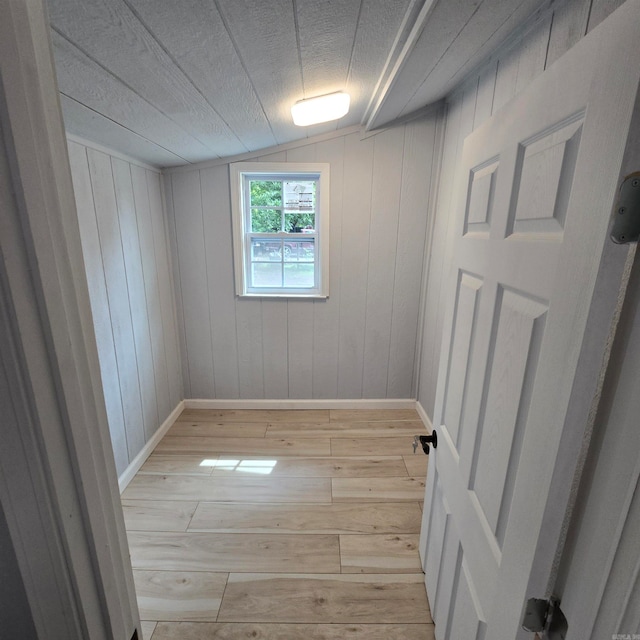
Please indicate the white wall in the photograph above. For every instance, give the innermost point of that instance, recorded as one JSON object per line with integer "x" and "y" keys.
{"x": 556, "y": 30}
{"x": 125, "y": 248}
{"x": 360, "y": 342}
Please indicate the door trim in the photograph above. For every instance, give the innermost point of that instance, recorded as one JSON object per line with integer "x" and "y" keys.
{"x": 66, "y": 511}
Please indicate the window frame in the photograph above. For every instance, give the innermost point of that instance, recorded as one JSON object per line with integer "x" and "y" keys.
{"x": 240, "y": 175}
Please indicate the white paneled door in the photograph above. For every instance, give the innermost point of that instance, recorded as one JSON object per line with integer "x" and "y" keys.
{"x": 532, "y": 305}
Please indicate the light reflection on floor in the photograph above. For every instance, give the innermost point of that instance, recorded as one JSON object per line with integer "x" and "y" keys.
{"x": 247, "y": 466}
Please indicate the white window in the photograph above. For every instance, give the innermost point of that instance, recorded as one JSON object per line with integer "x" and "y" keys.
{"x": 281, "y": 229}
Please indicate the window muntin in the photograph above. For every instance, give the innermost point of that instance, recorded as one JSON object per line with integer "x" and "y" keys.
{"x": 280, "y": 229}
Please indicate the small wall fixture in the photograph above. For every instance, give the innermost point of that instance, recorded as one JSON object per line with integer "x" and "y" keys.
{"x": 321, "y": 109}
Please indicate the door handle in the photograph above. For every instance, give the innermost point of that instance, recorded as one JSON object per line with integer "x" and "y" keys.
{"x": 424, "y": 441}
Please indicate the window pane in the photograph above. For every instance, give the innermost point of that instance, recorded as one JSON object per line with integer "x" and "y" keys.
{"x": 266, "y": 274}
{"x": 299, "y": 251}
{"x": 266, "y": 250}
{"x": 299, "y": 222}
{"x": 266, "y": 193}
{"x": 299, "y": 275}
{"x": 299, "y": 195}
{"x": 266, "y": 220}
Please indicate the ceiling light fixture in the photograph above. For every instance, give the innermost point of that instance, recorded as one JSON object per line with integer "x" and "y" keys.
{"x": 321, "y": 109}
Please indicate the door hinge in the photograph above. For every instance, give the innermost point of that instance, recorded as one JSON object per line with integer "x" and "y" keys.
{"x": 625, "y": 226}
{"x": 546, "y": 618}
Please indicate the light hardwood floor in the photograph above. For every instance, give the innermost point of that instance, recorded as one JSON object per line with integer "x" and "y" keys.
{"x": 281, "y": 525}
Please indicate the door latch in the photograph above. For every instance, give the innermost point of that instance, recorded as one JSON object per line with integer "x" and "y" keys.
{"x": 625, "y": 227}
{"x": 546, "y": 618}
{"x": 424, "y": 442}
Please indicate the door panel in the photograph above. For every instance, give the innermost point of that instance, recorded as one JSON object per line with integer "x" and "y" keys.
{"x": 467, "y": 619}
{"x": 514, "y": 354}
{"x": 536, "y": 184}
{"x": 466, "y": 306}
{"x": 544, "y": 175}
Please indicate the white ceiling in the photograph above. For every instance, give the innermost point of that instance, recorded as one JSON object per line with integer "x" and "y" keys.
{"x": 179, "y": 81}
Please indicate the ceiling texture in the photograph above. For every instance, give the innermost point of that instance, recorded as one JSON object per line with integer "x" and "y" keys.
{"x": 173, "y": 82}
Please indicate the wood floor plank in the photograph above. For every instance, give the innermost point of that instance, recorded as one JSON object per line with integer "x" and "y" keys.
{"x": 324, "y": 467}
{"x": 202, "y": 445}
{"x": 374, "y": 598}
{"x": 179, "y": 595}
{"x": 215, "y": 429}
{"x": 255, "y": 415}
{"x": 265, "y": 631}
{"x": 256, "y": 488}
{"x": 417, "y": 464}
{"x": 190, "y": 465}
{"x": 372, "y": 415}
{"x": 157, "y": 515}
{"x": 313, "y": 516}
{"x": 234, "y": 552}
{"x": 377, "y": 489}
{"x": 148, "y": 627}
{"x": 391, "y": 446}
{"x": 395, "y": 553}
{"x": 381, "y": 429}
{"x": 345, "y": 518}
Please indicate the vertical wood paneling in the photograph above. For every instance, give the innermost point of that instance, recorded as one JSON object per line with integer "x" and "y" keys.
{"x": 136, "y": 293}
{"x": 486, "y": 89}
{"x": 124, "y": 243}
{"x": 358, "y": 166}
{"x": 437, "y": 267}
{"x": 187, "y": 203}
{"x": 326, "y": 313}
{"x": 288, "y": 348}
{"x": 600, "y": 9}
{"x": 506, "y": 78}
{"x": 222, "y": 309}
{"x": 275, "y": 348}
{"x": 167, "y": 293}
{"x": 533, "y": 54}
{"x": 155, "y": 320}
{"x": 418, "y": 165}
{"x": 568, "y": 26}
{"x": 383, "y": 247}
{"x": 250, "y": 361}
{"x": 118, "y": 296}
{"x": 99, "y": 302}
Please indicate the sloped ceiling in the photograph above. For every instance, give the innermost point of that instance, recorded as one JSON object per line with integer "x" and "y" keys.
{"x": 179, "y": 81}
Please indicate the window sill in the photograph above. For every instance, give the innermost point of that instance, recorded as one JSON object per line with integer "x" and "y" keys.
{"x": 293, "y": 296}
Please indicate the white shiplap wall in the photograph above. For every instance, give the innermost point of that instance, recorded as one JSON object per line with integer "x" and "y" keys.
{"x": 528, "y": 54}
{"x": 360, "y": 342}
{"x": 125, "y": 248}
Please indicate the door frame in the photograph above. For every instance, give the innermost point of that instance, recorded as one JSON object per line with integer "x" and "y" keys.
{"x": 59, "y": 488}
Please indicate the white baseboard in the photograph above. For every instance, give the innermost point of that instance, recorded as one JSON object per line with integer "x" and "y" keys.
{"x": 384, "y": 403}
{"x": 424, "y": 417}
{"x": 133, "y": 468}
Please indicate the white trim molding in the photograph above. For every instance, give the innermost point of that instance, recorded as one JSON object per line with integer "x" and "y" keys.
{"x": 127, "y": 475}
{"x": 286, "y": 404}
{"x": 424, "y": 417}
